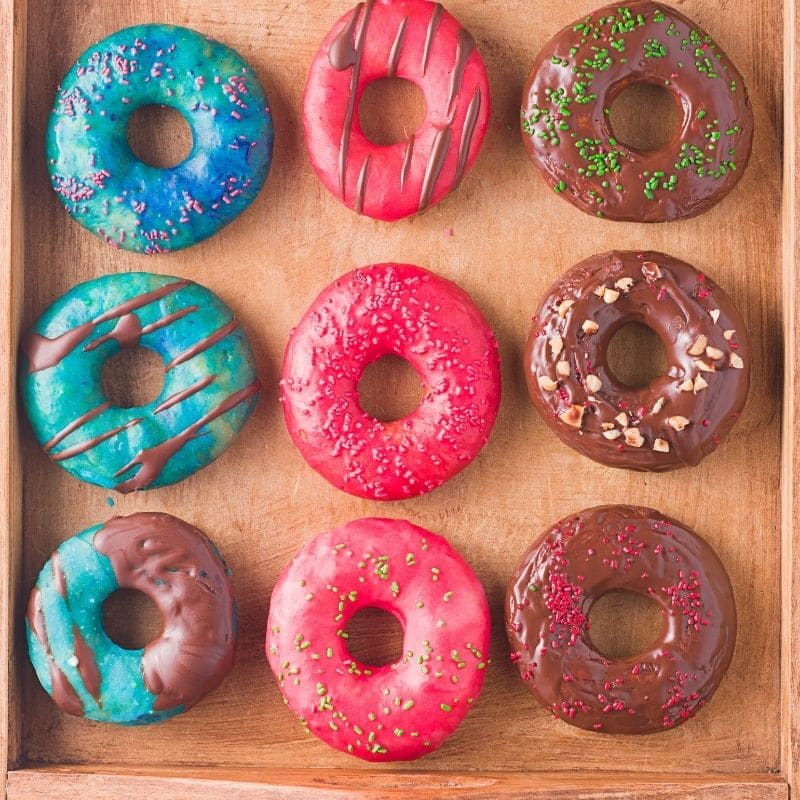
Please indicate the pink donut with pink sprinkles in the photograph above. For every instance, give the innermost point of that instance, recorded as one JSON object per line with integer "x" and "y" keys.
{"x": 407, "y": 311}
{"x": 396, "y": 712}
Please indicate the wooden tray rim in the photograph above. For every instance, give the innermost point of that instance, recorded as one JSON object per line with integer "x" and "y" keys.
{"x": 30, "y": 780}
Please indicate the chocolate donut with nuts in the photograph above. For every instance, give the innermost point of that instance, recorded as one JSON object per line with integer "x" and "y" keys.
{"x": 683, "y": 414}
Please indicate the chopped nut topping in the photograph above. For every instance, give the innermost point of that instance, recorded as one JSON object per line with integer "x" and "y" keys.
{"x": 564, "y": 307}
{"x": 547, "y": 383}
{"x": 590, "y": 326}
{"x": 633, "y": 437}
{"x": 622, "y": 418}
{"x": 729, "y": 335}
{"x": 600, "y": 290}
{"x": 624, "y": 284}
{"x": 714, "y": 353}
{"x": 613, "y": 434}
{"x": 658, "y": 405}
{"x": 700, "y": 383}
{"x": 678, "y": 423}
{"x": 687, "y": 385}
{"x": 556, "y": 345}
{"x": 699, "y": 347}
{"x": 736, "y": 361}
{"x": 714, "y": 315}
{"x": 661, "y": 446}
{"x": 593, "y": 383}
{"x": 610, "y": 296}
{"x": 562, "y": 369}
{"x": 651, "y": 271}
{"x": 573, "y": 416}
{"x": 607, "y": 426}
{"x": 703, "y": 366}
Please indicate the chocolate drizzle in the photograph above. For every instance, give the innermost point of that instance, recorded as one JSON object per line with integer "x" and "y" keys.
{"x": 464, "y": 47}
{"x": 439, "y": 151}
{"x": 89, "y": 444}
{"x": 126, "y": 333}
{"x": 362, "y": 185}
{"x": 470, "y": 121}
{"x": 75, "y": 424}
{"x": 407, "y": 161}
{"x": 153, "y": 459}
{"x": 59, "y": 579}
{"x": 176, "y": 398}
{"x": 175, "y": 565}
{"x": 204, "y": 344}
{"x": 433, "y": 26}
{"x": 87, "y": 664}
{"x": 397, "y": 47}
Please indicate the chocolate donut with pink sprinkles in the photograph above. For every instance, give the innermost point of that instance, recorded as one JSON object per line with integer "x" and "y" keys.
{"x": 406, "y": 311}
{"x": 398, "y": 711}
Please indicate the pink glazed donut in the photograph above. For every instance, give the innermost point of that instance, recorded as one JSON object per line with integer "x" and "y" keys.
{"x": 412, "y": 39}
{"x": 407, "y": 311}
{"x": 396, "y": 712}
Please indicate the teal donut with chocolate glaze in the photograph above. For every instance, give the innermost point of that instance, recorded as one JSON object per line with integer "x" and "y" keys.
{"x": 85, "y": 672}
{"x": 127, "y": 202}
{"x": 210, "y": 382}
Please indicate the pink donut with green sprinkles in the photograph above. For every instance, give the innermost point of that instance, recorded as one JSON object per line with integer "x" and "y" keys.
{"x": 399, "y": 711}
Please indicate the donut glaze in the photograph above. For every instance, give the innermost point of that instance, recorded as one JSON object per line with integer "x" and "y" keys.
{"x": 588, "y": 555}
{"x": 210, "y": 381}
{"x": 396, "y": 712}
{"x": 407, "y": 311}
{"x": 683, "y": 415}
{"x": 420, "y": 42}
{"x": 89, "y": 675}
{"x": 584, "y": 68}
{"x": 133, "y": 205}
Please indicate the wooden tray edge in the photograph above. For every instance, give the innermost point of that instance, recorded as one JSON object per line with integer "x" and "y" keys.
{"x": 65, "y": 783}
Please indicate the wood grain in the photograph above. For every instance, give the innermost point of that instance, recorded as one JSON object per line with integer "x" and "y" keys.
{"x": 248, "y": 784}
{"x": 504, "y": 237}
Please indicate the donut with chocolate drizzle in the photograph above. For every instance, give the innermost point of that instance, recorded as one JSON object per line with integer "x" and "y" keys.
{"x": 604, "y": 549}
{"x": 682, "y": 415}
{"x": 566, "y": 107}
{"x": 89, "y": 675}
{"x": 418, "y": 41}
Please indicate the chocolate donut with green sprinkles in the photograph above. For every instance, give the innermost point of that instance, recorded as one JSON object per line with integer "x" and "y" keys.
{"x": 210, "y": 383}
{"x": 179, "y": 569}
{"x": 566, "y": 110}
{"x": 131, "y": 204}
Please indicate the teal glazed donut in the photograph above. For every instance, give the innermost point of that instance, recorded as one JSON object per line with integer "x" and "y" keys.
{"x": 210, "y": 381}
{"x": 133, "y": 205}
{"x": 89, "y": 675}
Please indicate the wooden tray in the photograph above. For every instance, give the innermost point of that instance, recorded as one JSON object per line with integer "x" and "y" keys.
{"x": 504, "y": 237}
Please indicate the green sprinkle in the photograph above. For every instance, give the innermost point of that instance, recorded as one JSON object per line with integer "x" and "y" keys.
{"x": 445, "y": 707}
{"x": 447, "y": 596}
{"x": 409, "y": 704}
{"x": 358, "y": 730}
{"x": 398, "y": 731}
{"x": 395, "y": 588}
{"x": 560, "y": 187}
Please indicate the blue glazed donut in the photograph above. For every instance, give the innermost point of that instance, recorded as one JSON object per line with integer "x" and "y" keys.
{"x": 133, "y": 205}
{"x": 210, "y": 382}
{"x": 89, "y": 675}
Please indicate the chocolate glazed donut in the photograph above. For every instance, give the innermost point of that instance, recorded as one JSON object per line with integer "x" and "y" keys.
{"x": 566, "y": 115}
{"x": 588, "y": 555}
{"x": 683, "y": 415}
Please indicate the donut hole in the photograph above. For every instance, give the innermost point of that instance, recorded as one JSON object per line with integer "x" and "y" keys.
{"x": 624, "y": 624}
{"x": 645, "y": 116}
{"x": 636, "y": 356}
{"x": 133, "y": 377}
{"x": 375, "y": 637}
{"x": 159, "y": 135}
{"x": 390, "y": 389}
{"x": 131, "y": 619}
{"x": 391, "y": 110}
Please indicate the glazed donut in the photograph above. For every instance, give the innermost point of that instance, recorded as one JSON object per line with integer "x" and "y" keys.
{"x": 683, "y": 415}
{"x": 210, "y": 382}
{"x": 396, "y": 712}
{"x": 584, "y": 68}
{"x": 610, "y": 548}
{"x": 412, "y": 39}
{"x": 133, "y": 205}
{"x": 90, "y": 676}
{"x": 409, "y": 312}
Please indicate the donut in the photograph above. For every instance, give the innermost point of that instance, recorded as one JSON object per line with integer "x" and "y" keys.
{"x": 210, "y": 382}
{"x": 567, "y": 102}
{"x": 597, "y": 551}
{"x": 684, "y": 414}
{"x": 396, "y": 712}
{"x": 131, "y": 204}
{"x": 418, "y": 41}
{"x": 407, "y": 311}
{"x": 89, "y": 675}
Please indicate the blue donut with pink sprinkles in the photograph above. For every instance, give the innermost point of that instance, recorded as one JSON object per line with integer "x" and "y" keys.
{"x": 131, "y": 204}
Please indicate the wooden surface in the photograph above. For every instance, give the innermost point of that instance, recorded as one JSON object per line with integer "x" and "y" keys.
{"x": 504, "y": 237}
